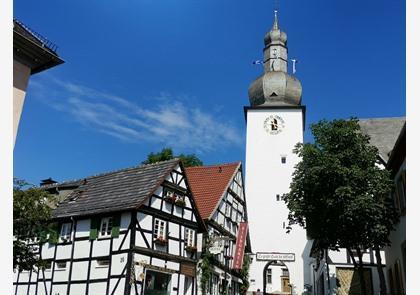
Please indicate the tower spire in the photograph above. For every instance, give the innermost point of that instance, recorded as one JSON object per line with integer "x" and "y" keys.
{"x": 276, "y": 23}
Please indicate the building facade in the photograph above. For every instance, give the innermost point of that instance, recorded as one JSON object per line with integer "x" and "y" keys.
{"x": 132, "y": 231}
{"x": 220, "y": 197}
{"x": 32, "y": 53}
{"x": 395, "y": 254}
{"x": 275, "y": 123}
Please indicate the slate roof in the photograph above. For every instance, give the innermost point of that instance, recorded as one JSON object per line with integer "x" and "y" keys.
{"x": 383, "y": 133}
{"x": 114, "y": 191}
{"x": 208, "y": 185}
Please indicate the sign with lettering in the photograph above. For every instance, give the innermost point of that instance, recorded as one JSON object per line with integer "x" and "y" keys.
{"x": 240, "y": 245}
{"x": 273, "y": 256}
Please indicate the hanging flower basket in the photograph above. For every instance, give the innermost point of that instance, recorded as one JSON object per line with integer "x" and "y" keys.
{"x": 161, "y": 241}
{"x": 191, "y": 249}
{"x": 170, "y": 198}
{"x": 180, "y": 202}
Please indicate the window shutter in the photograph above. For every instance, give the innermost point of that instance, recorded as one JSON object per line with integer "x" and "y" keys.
{"x": 94, "y": 227}
{"x": 116, "y": 220}
{"x": 54, "y": 233}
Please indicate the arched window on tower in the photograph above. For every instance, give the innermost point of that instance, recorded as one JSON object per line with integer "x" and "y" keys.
{"x": 274, "y": 124}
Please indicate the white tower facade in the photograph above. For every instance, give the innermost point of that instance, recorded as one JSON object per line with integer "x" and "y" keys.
{"x": 275, "y": 124}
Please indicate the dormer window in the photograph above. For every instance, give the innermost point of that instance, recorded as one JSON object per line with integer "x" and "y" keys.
{"x": 106, "y": 227}
{"x": 65, "y": 233}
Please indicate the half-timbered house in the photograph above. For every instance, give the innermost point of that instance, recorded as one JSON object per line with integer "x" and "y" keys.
{"x": 132, "y": 231}
{"x": 219, "y": 194}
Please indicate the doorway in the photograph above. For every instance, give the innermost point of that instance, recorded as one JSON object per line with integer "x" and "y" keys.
{"x": 157, "y": 283}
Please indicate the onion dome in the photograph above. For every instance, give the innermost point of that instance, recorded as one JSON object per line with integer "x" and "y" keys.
{"x": 275, "y": 86}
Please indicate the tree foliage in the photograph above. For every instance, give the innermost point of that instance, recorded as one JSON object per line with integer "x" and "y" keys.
{"x": 165, "y": 154}
{"x": 31, "y": 224}
{"x": 244, "y": 274}
{"x": 339, "y": 192}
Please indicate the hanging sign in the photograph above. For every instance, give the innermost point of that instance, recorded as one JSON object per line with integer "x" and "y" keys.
{"x": 240, "y": 245}
{"x": 273, "y": 256}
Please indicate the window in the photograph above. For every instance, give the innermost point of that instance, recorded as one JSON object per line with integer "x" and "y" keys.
{"x": 269, "y": 276}
{"x": 159, "y": 230}
{"x": 283, "y": 159}
{"x": 65, "y": 234}
{"x": 401, "y": 192}
{"x": 106, "y": 227}
{"x": 278, "y": 197}
{"x": 227, "y": 212}
{"x": 189, "y": 237}
{"x": 102, "y": 262}
{"x": 61, "y": 265}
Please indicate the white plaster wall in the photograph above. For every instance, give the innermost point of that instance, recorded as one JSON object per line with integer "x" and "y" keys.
{"x": 61, "y": 275}
{"x": 21, "y": 75}
{"x": 120, "y": 287}
{"x": 80, "y": 270}
{"x": 60, "y": 290}
{"x": 81, "y": 249}
{"x": 22, "y": 290}
{"x": 97, "y": 288}
{"x": 78, "y": 289}
{"x": 118, "y": 262}
{"x": 63, "y": 251}
{"x": 98, "y": 272}
{"x": 100, "y": 247}
{"x": 266, "y": 177}
{"x": 48, "y": 251}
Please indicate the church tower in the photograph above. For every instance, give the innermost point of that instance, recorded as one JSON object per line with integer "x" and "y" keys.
{"x": 275, "y": 123}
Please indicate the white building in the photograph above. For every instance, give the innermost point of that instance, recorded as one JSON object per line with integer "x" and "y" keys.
{"x": 275, "y": 124}
{"x": 132, "y": 231}
{"x": 219, "y": 194}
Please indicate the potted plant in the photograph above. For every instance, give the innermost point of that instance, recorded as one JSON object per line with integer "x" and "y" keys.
{"x": 161, "y": 240}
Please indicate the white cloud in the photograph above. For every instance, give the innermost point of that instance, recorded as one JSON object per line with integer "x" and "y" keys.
{"x": 170, "y": 122}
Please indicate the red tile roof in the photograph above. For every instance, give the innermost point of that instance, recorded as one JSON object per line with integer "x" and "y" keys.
{"x": 208, "y": 185}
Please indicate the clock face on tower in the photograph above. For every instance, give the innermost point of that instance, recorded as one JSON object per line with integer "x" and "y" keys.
{"x": 273, "y": 124}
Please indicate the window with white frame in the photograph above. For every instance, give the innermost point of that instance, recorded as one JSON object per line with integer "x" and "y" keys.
{"x": 189, "y": 237}
{"x": 159, "y": 230}
{"x": 65, "y": 233}
{"x": 105, "y": 228}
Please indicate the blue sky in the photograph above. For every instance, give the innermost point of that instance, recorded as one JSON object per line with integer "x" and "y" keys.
{"x": 144, "y": 74}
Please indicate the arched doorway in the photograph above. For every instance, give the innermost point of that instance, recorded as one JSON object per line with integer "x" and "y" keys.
{"x": 286, "y": 285}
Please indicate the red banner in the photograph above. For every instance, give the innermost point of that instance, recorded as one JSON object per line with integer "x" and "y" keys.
{"x": 240, "y": 245}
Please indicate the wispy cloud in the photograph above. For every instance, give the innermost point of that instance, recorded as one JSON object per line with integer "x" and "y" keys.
{"x": 169, "y": 121}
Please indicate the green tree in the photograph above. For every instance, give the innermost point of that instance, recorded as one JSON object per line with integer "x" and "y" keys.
{"x": 165, "y": 154}
{"x": 340, "y": 194}
{"x": 31, "y": 224}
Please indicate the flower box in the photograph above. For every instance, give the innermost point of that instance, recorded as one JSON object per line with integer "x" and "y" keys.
{"x": 161, "y": 241}
{"x": 170, "y": 198}
{"x": 191, "y": 249}
{"x": 180, "y": 202}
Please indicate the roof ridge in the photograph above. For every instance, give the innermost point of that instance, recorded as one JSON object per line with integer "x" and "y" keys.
{"x": 114, "y": 171}
{"x": 382, "y": 118}
{"x": 215, "y": 165}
